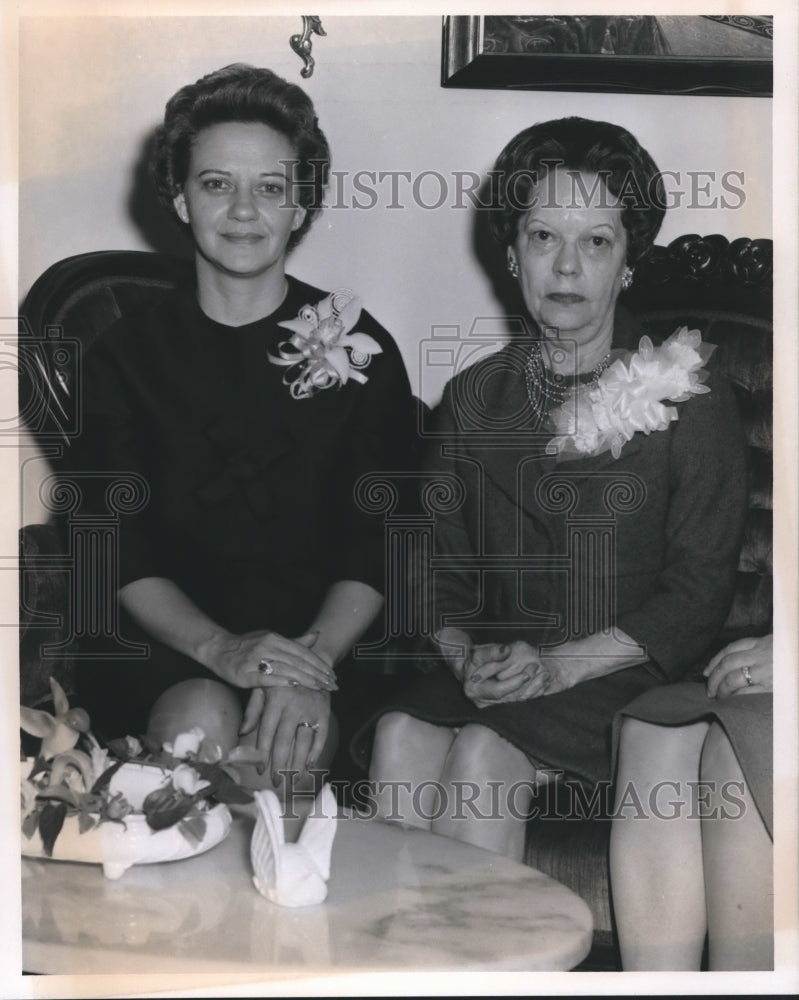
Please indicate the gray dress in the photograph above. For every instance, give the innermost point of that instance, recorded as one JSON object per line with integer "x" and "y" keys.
{"x": 678, "y": 499}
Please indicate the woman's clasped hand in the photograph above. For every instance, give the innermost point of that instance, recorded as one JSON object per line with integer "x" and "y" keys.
{"x": 746, "y": 666}
{"x": 267, "y": 659}
{"x": 498, "y": 672}
{"x": 291, "y": 726}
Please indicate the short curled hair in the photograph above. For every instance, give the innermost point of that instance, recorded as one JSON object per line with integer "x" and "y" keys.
{"x": 242, "y": 93}
{"x": 586, "y": 146}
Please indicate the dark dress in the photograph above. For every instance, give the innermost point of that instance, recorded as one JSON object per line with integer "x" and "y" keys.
{"x": 668, "y": 514}
{"x": 250, "y": 507}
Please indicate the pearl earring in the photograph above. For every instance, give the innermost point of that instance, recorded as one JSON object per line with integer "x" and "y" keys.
{"x": 513, "y": 267}
{"x": 626, "y": 278}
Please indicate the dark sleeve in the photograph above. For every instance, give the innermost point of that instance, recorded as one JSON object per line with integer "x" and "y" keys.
{"x": 381, "y": 441}
{"x": 704, "y": 528}
{"x": 106, "y": 459}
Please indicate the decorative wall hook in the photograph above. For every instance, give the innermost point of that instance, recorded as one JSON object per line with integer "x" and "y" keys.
{"x": 311, "y": 25}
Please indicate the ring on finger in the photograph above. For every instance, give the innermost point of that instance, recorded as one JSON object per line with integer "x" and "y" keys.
{"x": 747, "y": 676}
{"x": 265, "y": 667}
{"x": 308, "y": 725}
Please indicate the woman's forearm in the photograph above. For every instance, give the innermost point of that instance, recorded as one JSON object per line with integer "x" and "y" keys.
{"x": 169, "y": 615}
{"x": 165, "y": 612}
{"x": 455, "y": 645}
{"x": 348, "y": 609}
{"x": 594, "y": 656}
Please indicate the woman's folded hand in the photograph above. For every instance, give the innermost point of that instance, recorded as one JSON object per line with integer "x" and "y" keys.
{"x": 746, "y": 666}
{"x": 501, "y": 672}
{"x": 267, "y": 659}
{"x": 292, "y": 729}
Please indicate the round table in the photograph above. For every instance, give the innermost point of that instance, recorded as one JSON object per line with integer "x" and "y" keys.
{"x": 399, "y": 899}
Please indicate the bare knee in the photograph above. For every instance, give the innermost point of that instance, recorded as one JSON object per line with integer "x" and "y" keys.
{"x": 391, "y": 742}
{"x": 489, "y": 783}
{"x": 394, "y": 729}
{"x": 646, "y": 742}
{"x": 652, "y": 750}
{"x": 394, "y": 769}
{"x": 636, "y": 734}
{"x": 472, "y": 748}
{"x": 208, "y": 704}
{"x": 718, "y": 757}
{"x": 408, "y": 747}
{"x": 478, "y": 750}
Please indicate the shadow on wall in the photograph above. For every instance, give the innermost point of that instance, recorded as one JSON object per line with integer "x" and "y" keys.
{"x": 159, "y": 229}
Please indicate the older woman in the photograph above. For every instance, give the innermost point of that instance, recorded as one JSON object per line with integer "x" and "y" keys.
{"x": 250, "y": 405}
{"x": 691, "y": 843}
{"x": 594, "y": 553}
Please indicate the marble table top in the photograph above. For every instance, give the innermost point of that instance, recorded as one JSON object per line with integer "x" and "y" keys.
{"x": 398, "y": 899}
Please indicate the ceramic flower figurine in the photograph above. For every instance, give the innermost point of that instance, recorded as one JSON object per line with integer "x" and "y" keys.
{"x": 59, "y": 732}
{"x": 125, "y": 803}
{"x": 293, "y": 874}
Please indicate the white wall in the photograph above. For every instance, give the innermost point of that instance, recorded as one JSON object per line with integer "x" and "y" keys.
{"x": 93, "y": 88}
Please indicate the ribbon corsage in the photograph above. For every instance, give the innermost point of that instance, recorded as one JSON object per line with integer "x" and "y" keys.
{"x": 631, "y": 396}
{"x": 321, "y": 351}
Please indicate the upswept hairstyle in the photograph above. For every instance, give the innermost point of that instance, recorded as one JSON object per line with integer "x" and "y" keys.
{"x": 242, "y": 93}
{"x": 579, "y": 145}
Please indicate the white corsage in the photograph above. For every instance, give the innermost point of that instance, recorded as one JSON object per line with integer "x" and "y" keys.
{"x": 631, "y": 396}
{"x": 321, "y": 351}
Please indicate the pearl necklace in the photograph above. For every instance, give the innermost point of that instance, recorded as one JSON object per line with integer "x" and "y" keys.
{"x": 546, "y": 390}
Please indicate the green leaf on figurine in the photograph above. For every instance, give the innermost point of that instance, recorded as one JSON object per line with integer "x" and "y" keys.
{"x": 51, "y": 819}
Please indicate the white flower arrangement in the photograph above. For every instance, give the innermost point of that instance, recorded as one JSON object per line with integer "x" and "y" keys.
{"x": 631, "y": 396}
{"x": 322, "y": 352}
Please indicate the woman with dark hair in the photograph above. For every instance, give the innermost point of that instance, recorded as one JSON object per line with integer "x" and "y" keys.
{"x": 593, "y": 554}
{"x": 243, "y": 94}
{"x": 249, "y": 405}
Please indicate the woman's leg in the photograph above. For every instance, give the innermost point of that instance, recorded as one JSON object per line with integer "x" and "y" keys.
{"x": 656, "y": 847}
{"x": 407, "y": 761}
{"x": 489, "y": 784}
{"x": 738, "y": 865}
